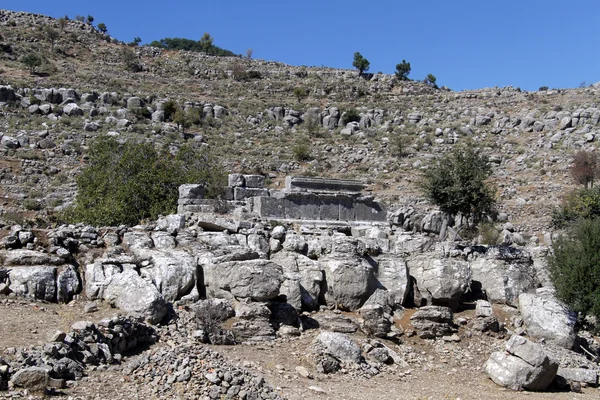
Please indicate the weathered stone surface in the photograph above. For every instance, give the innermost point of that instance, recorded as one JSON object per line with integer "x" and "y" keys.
{"x": 483, "y": 308}
{"x": 172, "y": 272}
{"x": 322, "y": 185}
{"x": 254, "y": 181}
{"x": 504, "y": 273}
{"x": 582, "y": 375}
{"x": 68, "y": 284}
{"x": 32, "y": 378}
{"x": 35, "y": 281}
{"x": 433, "y": 321}
{"x": 524, "y": 367}
{"x": 137, "y": 240}
{"x": 446, "y": 280}
{"x": 136, "y": 296}
{"x": 259, "y": 280}
{"x": 393, "y": 276}
{"x": 350, "y": 281}
{"x": 308, "y": 277}
{"x": 171, "y": 223}
{"x": 24, "y": 257}
{"x": 337, "y": 345}
{"x": 547, "y": 318}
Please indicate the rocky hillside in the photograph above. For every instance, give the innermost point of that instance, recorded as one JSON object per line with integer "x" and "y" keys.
{"x": 248, "y": 112}
{"x": 350, "y": 275}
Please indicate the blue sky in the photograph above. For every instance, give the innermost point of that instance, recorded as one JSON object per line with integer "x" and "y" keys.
{"x": 466, "y": 44}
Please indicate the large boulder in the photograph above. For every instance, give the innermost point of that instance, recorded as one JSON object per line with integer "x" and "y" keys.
{"x": 350, "y": 281}
{"x": 433, "y": 321}
{"x": 547, "y": 318}
{"x": 68, "y": 284}
{"x": 24, "y": 257}
{"x": 446, "y": 280}
{"x": 503, "y": 273}
{"x": 337, "y": 345}
{"x": 136, "y": 296}
{"x": 36, "y": 281}
{"x": 258, "y": 280}
{"x": 525, "y": 367}
{"x": 32, "y": 378}
{"x": 304, "y": 274}
{"x": 172, "y": 272}
{"x": 392, "y": 274}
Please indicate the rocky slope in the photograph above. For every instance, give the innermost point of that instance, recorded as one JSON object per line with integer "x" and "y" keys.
{"x": 345, "y": 295}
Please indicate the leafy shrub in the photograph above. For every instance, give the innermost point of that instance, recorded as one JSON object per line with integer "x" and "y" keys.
{"x": 456, "y": 183}
{"x": 31, "y": 61}
{"x": 169, "y": 108}
{"x": 300, "y": 93}
{"x": 127, "y": 182}
{"x": 543, "y": 88}
{"x": 579, "y": 204}
{"x": 204, "y": 45}
{"x": 301, "y": 152}
{"x": 31, "y": 204}
{"x": 399, "y": 145}
{"x": 351, "y": 115}
{"x": 575, "y": 267}
{"x": 489, "y": 234}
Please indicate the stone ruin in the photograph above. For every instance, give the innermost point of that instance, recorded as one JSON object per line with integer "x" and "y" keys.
{"x": 306, "y": 199}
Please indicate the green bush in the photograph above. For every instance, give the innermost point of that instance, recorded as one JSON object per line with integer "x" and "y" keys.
{"x": 169, "y": 108}
{"x": 31, "y": 61}
{"x": 579, "y": 204}
{"x": 351, "y": 115}
{"x": 301, "y": 152}
{"x": 575, "y": 267}
{"x": 456, "y": 183}
{"x": 125, "y": 183}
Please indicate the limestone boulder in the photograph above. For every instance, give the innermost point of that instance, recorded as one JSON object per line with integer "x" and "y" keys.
{"x": 503, "y": 272}
{"x": 350, "y": 281}
{"x": 547, "y": 318}
{"x": 524, "y": 366}
{"x": 393, "y": 276}
{"x": 258, "y": 280}
{"x": 35, "y": 281}
{"x": 136, "y": 296}
{"x": 445, "y": 279}
{"x": 303, "y": 279}
{"x": 172, "y": 272}
{"x": 339, "y": 346}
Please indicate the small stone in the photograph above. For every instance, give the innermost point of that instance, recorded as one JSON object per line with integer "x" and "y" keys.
{"x": 303, "y": 372}
{"x": 317, "y": 389}
{"x": 451, "y": 338}
{"x": 90, "y": 307}
{"x": 57, "y": 336}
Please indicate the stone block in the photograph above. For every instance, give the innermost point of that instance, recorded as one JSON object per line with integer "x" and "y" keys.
{"x": 191, "y": 192}
{"x": 329, "y": 209}
{"x": 293, "y": 207}
{"x": 269, "y": 207}
{"x": 236, "y": 180}
{"x": 318, "y": 185}
{"x": 254, "y": 181}
{"x": 347, "y": 210}
{"x": 242, "y": 193}
{"x": 310, "y": 209}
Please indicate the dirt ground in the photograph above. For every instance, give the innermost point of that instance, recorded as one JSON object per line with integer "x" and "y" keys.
{"x": 437, "y": 370}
